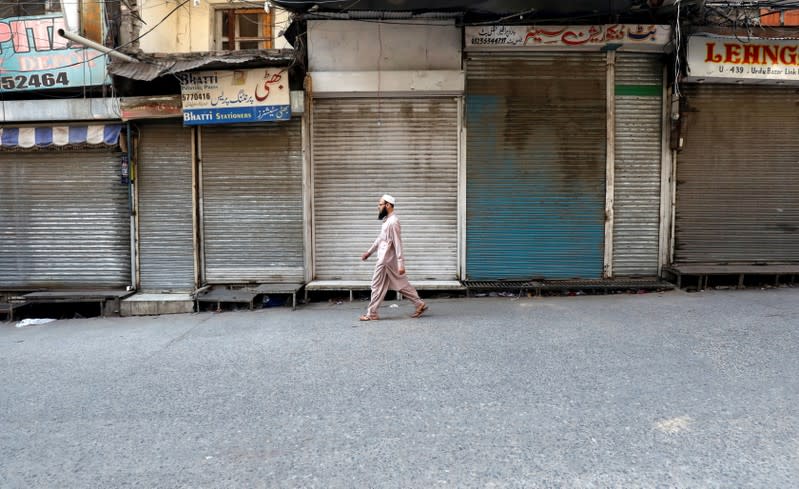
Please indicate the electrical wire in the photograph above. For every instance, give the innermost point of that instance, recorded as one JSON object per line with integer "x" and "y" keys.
{"x": 502, "y": 19}
{"x": 11, "y": 54}
{"x": 426, "y": 21}
{"x": 677, "y": 53}
{"x": 379, "y": 70}
{"x": 86, "y": 61}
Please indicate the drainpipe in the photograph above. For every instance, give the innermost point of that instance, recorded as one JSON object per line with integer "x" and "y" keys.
{"x": 91, "y": 44}
{"x": 132, "y": 207}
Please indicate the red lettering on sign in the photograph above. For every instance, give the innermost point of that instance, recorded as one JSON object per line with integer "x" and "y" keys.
{"x": 712, "y": 56}
{"x": 732, "y": 53}
{"x": 751, "y": 54}
{"x": 791, "y": 58}
{"x": 771, "y": 53}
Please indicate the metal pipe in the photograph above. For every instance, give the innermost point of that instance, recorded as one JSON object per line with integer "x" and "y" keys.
{"x": 94, "y": 45}
{"x": 134, "y": 216}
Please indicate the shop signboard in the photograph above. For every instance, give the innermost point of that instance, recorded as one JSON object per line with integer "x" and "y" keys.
{"x": 625, "y": 37}
{"x": 749, "y": 60}
{"x": 155, "y": 107}
{"x": 235, "y": 96}
{"x": 34, "y": 57}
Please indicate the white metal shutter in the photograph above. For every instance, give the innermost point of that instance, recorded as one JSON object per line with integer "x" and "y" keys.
{"x": 164, "y": 176}
{"x": 639, "y": 108}
{"x": 252, "y": 203}
{"x": 64, "y": 220}
{"x": 363, "y": 148}
{"x": 737, "y": 177}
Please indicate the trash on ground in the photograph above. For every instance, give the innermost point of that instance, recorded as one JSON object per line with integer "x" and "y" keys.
{"x": 34, "y": 322}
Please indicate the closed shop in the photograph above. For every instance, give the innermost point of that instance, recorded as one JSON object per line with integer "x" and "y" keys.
{"x": 737, "y": 198}
{"x": 64, "y": 213}
{"x": 252, "y": 203}
{"x": 638, "y": 101}
{"x": 564, "y": 151}
{"x": 535, "y": 159}
{"x": 364, "y": 147}
{"x": 385, "y": 118}
{"x": 165, "y": 207}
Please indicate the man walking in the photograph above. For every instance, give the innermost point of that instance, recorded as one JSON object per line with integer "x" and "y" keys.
{"x": 390, "y": 267}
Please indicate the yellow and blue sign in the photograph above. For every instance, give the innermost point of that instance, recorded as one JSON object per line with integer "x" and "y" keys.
{"x": 235, "y": 96}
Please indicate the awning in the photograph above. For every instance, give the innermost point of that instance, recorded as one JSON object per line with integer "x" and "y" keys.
{"x": 152, "y": 66}
{"x": 46, "y": 136}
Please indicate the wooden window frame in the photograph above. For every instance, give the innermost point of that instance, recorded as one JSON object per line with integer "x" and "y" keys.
{"x": 265, "y": 40}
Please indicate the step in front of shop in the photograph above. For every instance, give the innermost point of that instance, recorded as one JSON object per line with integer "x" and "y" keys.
{"x": 352, "y": 286}
{"x": 154, "y": 304}
{"x": 539, "y": 286}
{"x": 108, "y": 301}
{"x": 248, "y": 295}
{"x": 7, "y": 308}
{"x": 700, "y": 273}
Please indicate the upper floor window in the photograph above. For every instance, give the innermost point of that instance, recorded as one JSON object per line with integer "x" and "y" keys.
{"x": 243, "y": 29}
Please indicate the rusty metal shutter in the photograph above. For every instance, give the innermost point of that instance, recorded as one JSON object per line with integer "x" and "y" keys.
{"x": 363, "y": 148}
{"x": 252, "y": 208}
{"x": 737, "y": 194}
{"x": 535, "y": 191}
{"x": 64, "y": 220}
{"x": 639, "y": 109}
{"x": 166, "y": 245}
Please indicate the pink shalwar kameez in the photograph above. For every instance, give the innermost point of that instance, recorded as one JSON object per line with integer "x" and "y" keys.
{"x": 389, "y": 260}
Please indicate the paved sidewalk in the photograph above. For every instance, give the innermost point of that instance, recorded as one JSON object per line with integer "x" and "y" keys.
{"x": 662, "y": 390}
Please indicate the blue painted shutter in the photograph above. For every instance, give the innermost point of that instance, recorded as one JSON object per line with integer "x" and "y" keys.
{"x": 535, "y": 191}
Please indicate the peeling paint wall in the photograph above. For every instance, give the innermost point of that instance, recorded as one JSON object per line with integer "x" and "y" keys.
{"x": 190, "y": 28}
{"x": 161, "y": 38}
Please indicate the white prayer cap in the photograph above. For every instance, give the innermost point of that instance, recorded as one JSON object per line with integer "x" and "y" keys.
{"x": 388, "y": 198}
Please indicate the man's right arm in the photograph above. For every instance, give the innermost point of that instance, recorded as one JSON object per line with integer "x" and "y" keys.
{"x": 371, "y": 249}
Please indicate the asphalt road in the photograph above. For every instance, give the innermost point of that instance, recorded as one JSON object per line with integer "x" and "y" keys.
{"x": 662, "y": 390}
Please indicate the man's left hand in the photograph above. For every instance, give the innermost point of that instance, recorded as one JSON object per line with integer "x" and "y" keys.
{"x": 402, "y": 271}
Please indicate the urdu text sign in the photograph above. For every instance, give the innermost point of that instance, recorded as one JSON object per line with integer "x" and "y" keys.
{"x": 235, "y": 96}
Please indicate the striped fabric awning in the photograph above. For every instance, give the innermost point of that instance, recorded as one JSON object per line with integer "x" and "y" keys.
{"x": 29, "y": 137}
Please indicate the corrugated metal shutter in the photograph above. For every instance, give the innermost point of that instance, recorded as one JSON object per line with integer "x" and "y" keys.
{"x": 363, "y": 148}
{"x": 737, "y": 194}
{"x": 535, "y": 191}
{"x": 166, "y": 247}
{"x": 639, "y": 108}
{"x": 64, "y": 221}
{"x": 252, "y": 203}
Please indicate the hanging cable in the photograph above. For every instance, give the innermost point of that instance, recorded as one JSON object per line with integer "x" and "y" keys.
{"x": 379, "y": 66}
{"x": 677, "y": 53}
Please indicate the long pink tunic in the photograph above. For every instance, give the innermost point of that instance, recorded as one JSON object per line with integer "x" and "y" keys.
{"x": 389, "y": 260}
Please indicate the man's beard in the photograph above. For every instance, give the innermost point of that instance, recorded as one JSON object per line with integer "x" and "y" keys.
{"x": 382, "y": 214}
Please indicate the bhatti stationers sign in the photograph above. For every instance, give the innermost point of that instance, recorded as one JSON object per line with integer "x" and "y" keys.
{"x": 235, "y": 96}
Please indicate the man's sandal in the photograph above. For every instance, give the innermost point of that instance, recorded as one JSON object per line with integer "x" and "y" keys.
{"x": 419, "y": 310}
{"x": 366, "y": 317}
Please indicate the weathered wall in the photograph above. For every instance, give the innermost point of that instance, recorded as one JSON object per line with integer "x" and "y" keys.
{"x": 191, "y": 28}
{"x": 370, "y": 46}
